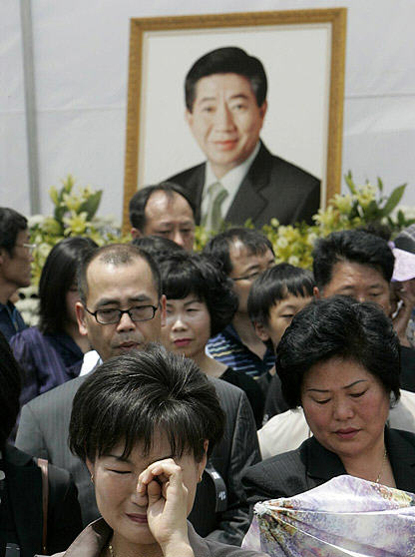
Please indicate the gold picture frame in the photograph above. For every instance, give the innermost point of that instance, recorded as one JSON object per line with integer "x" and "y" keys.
{"x": 158, "y": 44}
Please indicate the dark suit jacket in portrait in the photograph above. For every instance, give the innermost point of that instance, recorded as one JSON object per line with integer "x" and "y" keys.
{"x": 24, "y": 501}
{"x": 43, "y": 432}
{"x": 311, "y": 465}
{"x": 272, "y": 188}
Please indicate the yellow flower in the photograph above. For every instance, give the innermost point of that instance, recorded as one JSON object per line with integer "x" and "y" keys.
{"x": 365, "y": 195}
{"x": 76, "y": 224}
{"x": 343, "y": 203}
{"x": 72, "y": 202}
{"x": 294, "y": 260}
{"x": 51, "y": 226}
{"x": 282, "y": 242}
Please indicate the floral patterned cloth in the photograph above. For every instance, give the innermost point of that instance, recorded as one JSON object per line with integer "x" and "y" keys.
{"x": 344, "y": 516}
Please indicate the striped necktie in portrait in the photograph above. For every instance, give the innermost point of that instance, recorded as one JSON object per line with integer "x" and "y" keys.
{"x": 216, "y": 196}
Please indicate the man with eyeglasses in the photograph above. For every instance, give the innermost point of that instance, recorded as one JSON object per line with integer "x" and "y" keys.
{"x": 15, "y": 267}
{"x": 243, "y": 254}
{"x": 121, "y": 309}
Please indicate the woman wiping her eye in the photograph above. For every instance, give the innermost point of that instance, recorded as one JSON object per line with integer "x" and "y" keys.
{"x": 144, "y": 423}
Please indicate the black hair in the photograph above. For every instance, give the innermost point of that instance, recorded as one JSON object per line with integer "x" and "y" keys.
{"x": 58, "y": 275}
{"x": 117, "y": 255}
{"x": 220, "y": 245}
{"x": 138, "y": 202}
{"x": 131, "y": 397}
{"x": 10, "y": 384}
{"x": 275, "y": 285}
{"x": 11, "y": 223}
{"x": 157, "y": 246}
{"x": 355, "y": 246}
{"x": 183, "y": 273}
{"x": 223, "y": 60}
{"x": 338, "y": 327}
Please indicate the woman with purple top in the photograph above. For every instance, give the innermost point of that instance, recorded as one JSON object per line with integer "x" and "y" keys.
{"x": 52, "y": 352}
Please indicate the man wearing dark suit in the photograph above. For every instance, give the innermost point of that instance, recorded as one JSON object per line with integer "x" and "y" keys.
{"x": 225, "y": 109}
{"x": 122, "y": 309}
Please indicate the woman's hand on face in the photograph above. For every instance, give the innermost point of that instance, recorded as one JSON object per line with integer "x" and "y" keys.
{"x": 162, "y": 481}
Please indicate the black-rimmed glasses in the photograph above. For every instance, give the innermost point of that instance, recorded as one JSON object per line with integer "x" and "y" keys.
{"x": 108, "y": 316}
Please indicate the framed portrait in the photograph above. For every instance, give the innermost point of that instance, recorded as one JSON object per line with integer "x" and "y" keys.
{"x": 303, "y": 54}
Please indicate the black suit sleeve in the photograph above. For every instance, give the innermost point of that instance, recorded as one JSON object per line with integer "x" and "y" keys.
{"x": 274, "y": 402}
{"x": 64, "y": 512}
{"x": 244, "y": 452}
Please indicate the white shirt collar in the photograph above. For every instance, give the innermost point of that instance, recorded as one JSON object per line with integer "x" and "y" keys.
{"x": 231, "y": 181}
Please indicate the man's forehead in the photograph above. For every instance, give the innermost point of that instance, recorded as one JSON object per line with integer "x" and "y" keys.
{"x": 238, "y": 251}
{"x": 207, "y": 86}
{"x": 160, "y": 202}
{"x": 350, "y": 272}
{"x": 104, "y": 276}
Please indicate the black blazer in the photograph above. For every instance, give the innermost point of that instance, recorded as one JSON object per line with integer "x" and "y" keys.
{"x": 272, "y": 188}
{"x": 310, "y": 465}
{"x": 24, "y": 487}
{"x": 43, "y": 432}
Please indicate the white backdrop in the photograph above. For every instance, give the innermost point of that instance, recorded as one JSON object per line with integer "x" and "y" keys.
{"x": 81, "y": 71}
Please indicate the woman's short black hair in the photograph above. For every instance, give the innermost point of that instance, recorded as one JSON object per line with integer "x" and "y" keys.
{"x": 183, "y": 274}
{"x": 132, "y": 397}
{"x": 10, "y": 377}
{"x": 338, "y": 327}
{"x": 58, "y": 275}
{"x": 275, "y": 285}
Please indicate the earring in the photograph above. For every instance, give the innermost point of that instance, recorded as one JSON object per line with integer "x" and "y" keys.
{"x": 92, "y": 478}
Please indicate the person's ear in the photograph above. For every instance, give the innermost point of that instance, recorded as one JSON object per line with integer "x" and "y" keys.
{"x": 163, "y": 302}
{"x": 89, "y": 465}
{"x": 135, "y": 233}
{"x": 188, "y": 117}
{"x": 203, "y": 462}
{"x": 316, "y": 293}
{"x": 261, "y": 331}
{"x": 80, "y": 317}
{"x": 263, "y": 109}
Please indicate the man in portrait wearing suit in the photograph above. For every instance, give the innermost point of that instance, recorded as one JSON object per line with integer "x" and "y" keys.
{"x": 226, "y": 105}
{"x": 122, "y": 309}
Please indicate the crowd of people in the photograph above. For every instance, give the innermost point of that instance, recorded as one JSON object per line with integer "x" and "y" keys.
{"x": 170, "y": 391}
{"x": 273, "y": 379}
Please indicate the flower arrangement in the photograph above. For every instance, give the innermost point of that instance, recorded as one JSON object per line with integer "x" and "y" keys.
{"x": 74, "y": 215}
{"x": 75, "y": 212}
{"x": 364, "y": 206}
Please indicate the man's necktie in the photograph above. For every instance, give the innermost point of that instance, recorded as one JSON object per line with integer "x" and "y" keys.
{"x": 216, "y": 196}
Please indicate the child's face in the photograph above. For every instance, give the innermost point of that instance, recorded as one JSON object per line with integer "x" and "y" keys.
{"x": 280, "y": 316}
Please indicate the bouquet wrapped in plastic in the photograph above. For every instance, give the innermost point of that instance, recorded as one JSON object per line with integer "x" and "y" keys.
{"x": 345, "y": 516}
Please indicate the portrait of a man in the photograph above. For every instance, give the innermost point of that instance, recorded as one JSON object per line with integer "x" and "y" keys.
{"x": 226, "y": 104}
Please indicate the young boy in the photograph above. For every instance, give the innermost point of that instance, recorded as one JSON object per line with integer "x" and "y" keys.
{"x": 275, "y": 297}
